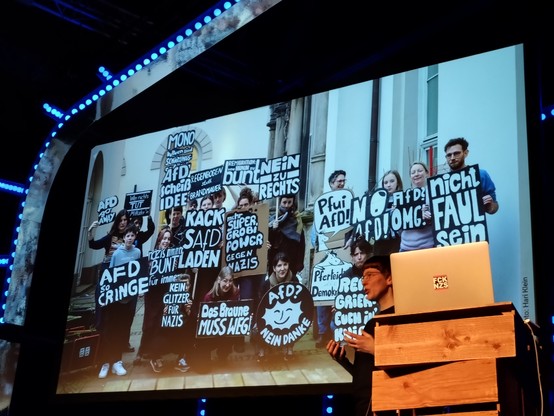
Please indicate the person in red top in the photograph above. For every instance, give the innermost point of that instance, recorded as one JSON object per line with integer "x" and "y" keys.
{"x": 224, "y": 287}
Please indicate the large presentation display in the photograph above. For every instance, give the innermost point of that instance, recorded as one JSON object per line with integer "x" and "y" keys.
{"x": 209, "y": 252}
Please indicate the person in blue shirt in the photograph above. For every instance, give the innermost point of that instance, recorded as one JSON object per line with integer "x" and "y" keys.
{"x": 143, "y": 236}
{"x": 118, "y": 315}
{"x": 456, "y": 151}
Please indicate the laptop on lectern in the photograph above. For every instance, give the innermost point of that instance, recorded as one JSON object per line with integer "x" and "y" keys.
{"x": 442, "y": 278}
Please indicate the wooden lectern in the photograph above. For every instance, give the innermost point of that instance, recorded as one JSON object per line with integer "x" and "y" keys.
{"x": 478, "y": 361}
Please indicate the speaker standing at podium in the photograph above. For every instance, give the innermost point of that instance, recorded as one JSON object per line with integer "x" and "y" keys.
{"x": 377, "y": 282}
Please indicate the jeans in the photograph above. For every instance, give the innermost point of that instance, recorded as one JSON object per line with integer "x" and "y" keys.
{"x": 324, "y": 317}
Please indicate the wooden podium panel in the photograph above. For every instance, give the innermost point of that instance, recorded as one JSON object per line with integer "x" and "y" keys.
{"x": 478, "y": 413}
{"x": 457, "y": 383}
{"x": 445, "y": 340}
{"x": 478, "y": 358}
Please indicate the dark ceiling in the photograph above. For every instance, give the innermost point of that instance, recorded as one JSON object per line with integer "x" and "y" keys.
{"x": 51, "y": 51}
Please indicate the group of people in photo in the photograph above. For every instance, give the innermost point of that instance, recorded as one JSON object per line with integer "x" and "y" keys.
{"x": 180, "y": 320}
{"x": 372, "y": 264}
{"x": 161, "y": 338}
{"x": 294, "y": 208}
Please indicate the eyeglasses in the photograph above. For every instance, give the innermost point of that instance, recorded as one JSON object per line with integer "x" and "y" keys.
{"x": 369, "y": 275}
{"x": 453, "y": 154}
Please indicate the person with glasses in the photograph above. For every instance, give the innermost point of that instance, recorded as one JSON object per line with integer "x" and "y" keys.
{"x": 378, "y": 287}
{"x": 324, "y": 313}
{"x": 337, "y": 179}
{"x": 456, "y": 151}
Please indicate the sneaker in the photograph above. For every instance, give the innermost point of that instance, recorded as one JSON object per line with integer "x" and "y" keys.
{"x": 156, "y": 365}
{"x": 104, "y": 370}
{"x": 117, "y": 368}
{"x": 182, "y": 366}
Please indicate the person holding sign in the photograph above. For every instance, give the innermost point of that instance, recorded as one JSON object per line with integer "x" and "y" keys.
{"x": 337, "y": 181}
{"x": 360, "y": 251}
{"x": 456, "y": 151}
{"x": 119, "y": 314}
{"x": 143, "y": 236}
{"x": 219, "y": 197}
{"x": 391, "y": 182}
{"x": 164, "y": 322}
{"x": 153, "y": 309}
{"x": 191, "y": 204}
{"x": 377, "y": 282}
{"x": 109, "y": 243}
{"x": 177, "y": 224}
{"x": 281, "y": 274}
{"x": 286, "y": 233}
{"x": 224, "y": 289}
{"x": 249, "y": 284}
{"x": 207, "y": 202}
{"x": 420, "y": 233}
{"x": 112, "y": 240}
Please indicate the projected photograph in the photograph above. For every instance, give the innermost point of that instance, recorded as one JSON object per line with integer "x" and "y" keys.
{"x": 224, "y": 254}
